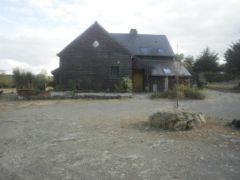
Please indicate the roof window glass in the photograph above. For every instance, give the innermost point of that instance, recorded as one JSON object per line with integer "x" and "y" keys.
{"x": 160, "y": 50}
{"x": 144, "y": 50}
{"x": 167, "y": 71}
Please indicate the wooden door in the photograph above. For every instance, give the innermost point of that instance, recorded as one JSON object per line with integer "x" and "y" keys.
{"x": 138, "y": 80}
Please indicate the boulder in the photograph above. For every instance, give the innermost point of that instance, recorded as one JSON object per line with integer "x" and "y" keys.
{"x": 235, "y": 123}
{"x": 177, "y": 120}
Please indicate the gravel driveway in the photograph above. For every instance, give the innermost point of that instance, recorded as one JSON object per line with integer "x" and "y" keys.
{"x": 110, "y": 139}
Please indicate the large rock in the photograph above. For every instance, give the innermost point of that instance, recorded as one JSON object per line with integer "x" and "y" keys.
{"x": 235, "y": 123}
{"x": 177, "y": 120}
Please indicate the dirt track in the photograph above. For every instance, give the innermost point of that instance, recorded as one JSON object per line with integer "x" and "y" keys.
{"x": 81, "y": 139}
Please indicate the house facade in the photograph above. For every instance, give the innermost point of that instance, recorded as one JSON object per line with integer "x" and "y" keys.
{"x": 96, "y": 61}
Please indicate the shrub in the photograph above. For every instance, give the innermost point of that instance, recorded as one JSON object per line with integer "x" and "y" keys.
{"x": 28, "y": 81}
{"x": 183, "y": 92}
{"x": 72, "y": 85}
{"x": 59, "y": 87}
{"x": 190, "y": 93}
{"x": 22, "y": 79}
{"x": 40, "y": 82}
{"x": 125, "y": 85}
{"x": 216, "y": 77}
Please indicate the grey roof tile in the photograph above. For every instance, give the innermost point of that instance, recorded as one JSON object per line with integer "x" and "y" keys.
{"x": 144, "y": 44}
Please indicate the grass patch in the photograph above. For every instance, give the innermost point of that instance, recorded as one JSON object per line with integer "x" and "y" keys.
{"x": 229, "y": 86}
{"x": 6, "y": 81}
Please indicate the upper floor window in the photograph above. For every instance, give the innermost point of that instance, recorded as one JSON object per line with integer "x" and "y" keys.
{"x": 95, "y": 44}
{"x": 115, "y": 72}
{"x": 144, "y": 50}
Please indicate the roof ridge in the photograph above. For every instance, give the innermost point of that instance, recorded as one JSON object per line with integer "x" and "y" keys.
{"x": 141, "y": 34}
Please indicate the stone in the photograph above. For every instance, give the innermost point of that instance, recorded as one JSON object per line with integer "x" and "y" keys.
{"x": 236, "y": 123}
{"x": 177, "y": 120}
{"x": 202, "y": 118}
{"x": 180, "y": 125}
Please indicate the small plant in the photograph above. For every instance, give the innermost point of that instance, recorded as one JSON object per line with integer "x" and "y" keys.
{"x": 59, "y": 87}
{"x": 125, "y": 85}
{"x": 72, "y": 85}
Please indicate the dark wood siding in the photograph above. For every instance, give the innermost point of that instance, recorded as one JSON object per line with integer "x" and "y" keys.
{"x": 90, "y": 67}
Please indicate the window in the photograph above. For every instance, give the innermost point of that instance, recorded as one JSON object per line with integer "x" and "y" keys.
{"x": 160, "y": 50}
{"x": 114, "y": 72}
{"x": 95, "y": 44}
{"x": 167, "y": 71}
{"x": 144, "y": 50}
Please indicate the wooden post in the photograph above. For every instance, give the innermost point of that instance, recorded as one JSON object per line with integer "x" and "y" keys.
{"x": 177, "y": 64}
{"x": 166, "y": 84}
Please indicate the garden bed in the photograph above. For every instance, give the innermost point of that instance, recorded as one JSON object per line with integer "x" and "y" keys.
{"x": 73, "y": 95}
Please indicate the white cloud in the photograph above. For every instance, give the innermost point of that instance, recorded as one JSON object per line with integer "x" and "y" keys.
{"x": 32, "y": 32}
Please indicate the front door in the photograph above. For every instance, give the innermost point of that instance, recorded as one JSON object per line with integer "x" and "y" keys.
{"x": 138, "y": 80}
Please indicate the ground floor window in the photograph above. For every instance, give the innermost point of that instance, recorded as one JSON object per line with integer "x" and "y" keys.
{"x": 115, "y": 72}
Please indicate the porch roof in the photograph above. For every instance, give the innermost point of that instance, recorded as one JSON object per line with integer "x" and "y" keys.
{"x": 170, "y": 68}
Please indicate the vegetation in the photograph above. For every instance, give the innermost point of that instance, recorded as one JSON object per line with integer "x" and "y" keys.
{"x": 232, "y": 58}
{"x": 183, "y": 92}
{"x": 6, "y": 81}
{"x": 28, "y": 81}
{"x": 216, "y": 77}
{"x": 206, "y": 69}
{"x": 72, "y": 85}
{"x": 229, "y": 86}
{"x": 125, "y": 85}
{"x": 206, "y": 62}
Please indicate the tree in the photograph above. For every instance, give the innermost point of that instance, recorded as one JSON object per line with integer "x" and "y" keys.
{"x": 232, "y": 58}
{"x": 188, "y": 62}
{"x": 179, "y": 57}
{"x": 206, "y": 62}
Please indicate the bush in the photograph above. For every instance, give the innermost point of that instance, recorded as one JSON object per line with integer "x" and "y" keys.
{"x": 72, "y": 85}
{"x": 183, "y": 92}
{"x": 125, "y": 85}
{"x": 216, "y": 77}
{"x": 59, "y": 87}
{"x": 40, "y": 82}
{"x": 29, "y": 81}
{"x": 190, "y": 93}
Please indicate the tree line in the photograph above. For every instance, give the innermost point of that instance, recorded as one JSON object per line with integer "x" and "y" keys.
{"x": 206, "y": 66}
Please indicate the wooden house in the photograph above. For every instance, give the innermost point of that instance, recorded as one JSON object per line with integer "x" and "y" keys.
{"x": 96, "y": 61}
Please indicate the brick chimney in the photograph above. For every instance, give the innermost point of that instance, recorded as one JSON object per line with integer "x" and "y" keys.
{"x": 133, "y": 32}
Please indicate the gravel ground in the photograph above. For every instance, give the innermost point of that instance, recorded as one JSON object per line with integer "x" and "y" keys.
{"x": 111, "y": 139}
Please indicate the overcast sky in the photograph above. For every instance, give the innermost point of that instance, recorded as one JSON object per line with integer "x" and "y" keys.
{"x": 32, "y": 32}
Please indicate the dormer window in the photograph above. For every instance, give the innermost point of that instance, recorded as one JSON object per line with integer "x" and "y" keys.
{"x": 144, "y": 50}
{"x": 95, "y": 44}
{"x": 160, "y": 50}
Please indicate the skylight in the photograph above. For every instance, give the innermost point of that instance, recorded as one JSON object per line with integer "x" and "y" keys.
{"x": 160, "y": 50}
{"x": 144, "y": 50}
{"x": 167, "y": 71}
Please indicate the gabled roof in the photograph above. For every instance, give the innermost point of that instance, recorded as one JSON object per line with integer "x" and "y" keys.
{"x": 94, "y": 27}
{"x": 144, "y": 44}
{"x": 134, "y": 44}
